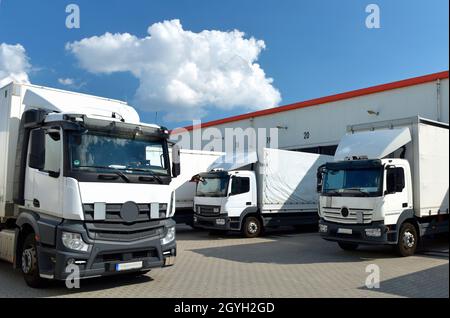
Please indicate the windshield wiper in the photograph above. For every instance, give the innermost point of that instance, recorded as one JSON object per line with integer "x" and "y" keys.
{"x": 358, "y": 190}
{"x": 153, "y": 173}
{"x": 335, "y": 192}
{"x": 115, "y": 170}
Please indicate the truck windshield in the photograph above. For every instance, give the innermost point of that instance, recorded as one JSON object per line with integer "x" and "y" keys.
{"x": 106, "y": 153}
{"x": 353, "y": 182}
{"x": 213, "y": 187}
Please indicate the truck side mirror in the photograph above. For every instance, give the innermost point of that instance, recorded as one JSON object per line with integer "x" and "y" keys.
{"x": 36, "y": 157}
{"x": 196, "y": 179}
{"x": 54, "y": 134}
{"x": 320, "y": 172}
{"x": 390, "y": 181}
{"x": 176, "y": 164}
{"x": 232, "y": 186}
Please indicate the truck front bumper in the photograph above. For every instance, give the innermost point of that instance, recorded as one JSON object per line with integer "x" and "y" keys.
{"x": 104, "y": 257}
{"x": 219, "y": 222}
{"x": 357, "y": 233}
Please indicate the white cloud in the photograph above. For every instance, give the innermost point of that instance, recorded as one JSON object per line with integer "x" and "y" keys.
{"x": 182, "y": 72}
{"x": 14, "y": 64}
{"x": 71, "y": 83}
{"x": 66, "y": 81}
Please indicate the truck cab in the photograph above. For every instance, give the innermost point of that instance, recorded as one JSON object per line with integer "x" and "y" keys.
{"x": 363, "y": 199}
{"x": 96, "y": 194}
{"x": 224, "y": 199}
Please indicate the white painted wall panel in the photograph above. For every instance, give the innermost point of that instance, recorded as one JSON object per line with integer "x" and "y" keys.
{"x": 327, "y": 123}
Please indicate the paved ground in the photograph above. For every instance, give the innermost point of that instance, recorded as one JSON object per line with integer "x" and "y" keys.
{"x": 282, "y": 264}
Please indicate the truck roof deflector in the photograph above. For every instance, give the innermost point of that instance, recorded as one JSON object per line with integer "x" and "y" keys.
{"x": 234, "y": 161}
{"x": 372, "y": 144}
{"x": 69, "y": 102}
{"x": 34, "y": 100}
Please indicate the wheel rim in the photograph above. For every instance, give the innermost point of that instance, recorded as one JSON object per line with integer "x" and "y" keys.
{"x": 408, "y": 239}
{"x": 27, "y": 260}
{"x": 252, "y": 227}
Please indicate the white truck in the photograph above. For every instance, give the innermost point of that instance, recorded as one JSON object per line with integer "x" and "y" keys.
{"x": 246, "y": 193}
{"x": 388, "y": 184}
{"x": 192, "y": 163}
{"x": 82, "y": 183}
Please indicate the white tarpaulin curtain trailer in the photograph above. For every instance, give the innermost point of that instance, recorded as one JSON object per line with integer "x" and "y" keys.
{"x": 287, "y": 179}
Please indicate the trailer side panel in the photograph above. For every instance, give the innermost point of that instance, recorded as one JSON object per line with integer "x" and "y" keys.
{"x": 433, "y": 162}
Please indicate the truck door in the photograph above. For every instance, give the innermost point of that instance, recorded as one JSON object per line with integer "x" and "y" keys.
{"x": 240, "y": 196}
{"x": 44, "y": 171}
{"x": 396, "y": 193}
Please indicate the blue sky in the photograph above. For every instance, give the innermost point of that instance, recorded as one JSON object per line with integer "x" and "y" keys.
{"x": 313, "y": 48}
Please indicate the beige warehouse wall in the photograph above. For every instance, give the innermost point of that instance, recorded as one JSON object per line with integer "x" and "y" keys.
{"x": 325, "y": 124}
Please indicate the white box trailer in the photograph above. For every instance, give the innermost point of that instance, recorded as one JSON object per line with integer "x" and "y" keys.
{"x": 82, "y": 179}
{"x": 193, "y": 162}
{"x": 406, "y": 164}
{"x": 249, "y": 192}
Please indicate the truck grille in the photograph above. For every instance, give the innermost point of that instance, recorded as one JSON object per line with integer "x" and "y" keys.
{"x": 115, "y": 228}
{"x": 208, "y": 210}
{"x": 113, "y": 212}
{"x": 355, "y": 216}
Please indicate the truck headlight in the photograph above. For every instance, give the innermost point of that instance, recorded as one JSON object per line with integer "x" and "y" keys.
{"x": 373, "y": 232}
{"x": 323, "y": 228}
{"x": 74, "y": 241}
{"x": 170, "y": 236}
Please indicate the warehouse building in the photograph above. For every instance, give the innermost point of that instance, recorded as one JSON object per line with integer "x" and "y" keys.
{"x": 317, "y": 125}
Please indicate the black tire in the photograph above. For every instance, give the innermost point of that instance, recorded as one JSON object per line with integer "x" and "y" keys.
{"x": 346, "y": 246}
{"x": 407, "y": 240}
{"x": 252, "y": 227}
{"x": 29, "y": 263}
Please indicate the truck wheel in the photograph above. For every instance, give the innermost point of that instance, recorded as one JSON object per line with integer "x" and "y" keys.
{"x": 348, "y": 246}
{"x": 30, "y": 267}
{"x": 407, "y": 240}
{"x": 252, "y": 227}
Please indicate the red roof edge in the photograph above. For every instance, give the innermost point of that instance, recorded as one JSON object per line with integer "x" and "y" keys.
{"x": 327, "y": 99}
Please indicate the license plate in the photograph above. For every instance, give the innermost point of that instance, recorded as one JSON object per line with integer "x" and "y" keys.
{"x": 345, "y": 231}
{"x": 128, "y": 266}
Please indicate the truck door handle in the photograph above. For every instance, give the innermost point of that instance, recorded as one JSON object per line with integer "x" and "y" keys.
{"x": 248, "y": 203}
{"x": 405, "y": 205}
{"x": 36, "y": 203}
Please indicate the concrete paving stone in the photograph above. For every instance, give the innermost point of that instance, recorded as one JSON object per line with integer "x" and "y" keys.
{"x": 281, "y": 264}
